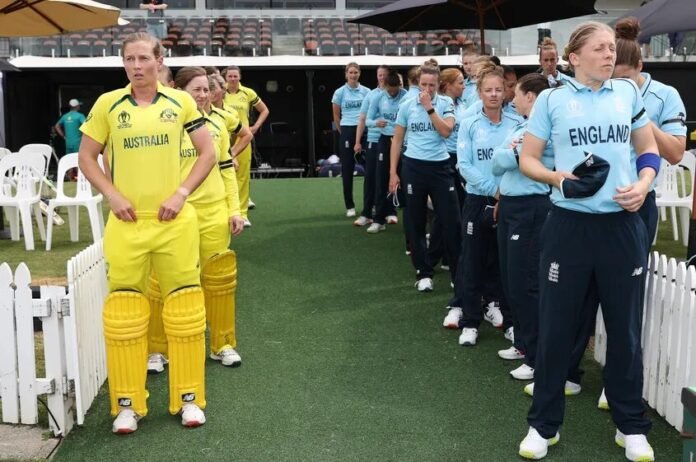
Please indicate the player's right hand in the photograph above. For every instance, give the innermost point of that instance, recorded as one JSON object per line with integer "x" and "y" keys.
{"x": 121, "y": 208}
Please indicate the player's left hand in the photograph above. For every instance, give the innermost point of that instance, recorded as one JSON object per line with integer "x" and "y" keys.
{"x": 631, "y": 197}
{"x": 236, "y": 225}
{"x": 171, "y": 207}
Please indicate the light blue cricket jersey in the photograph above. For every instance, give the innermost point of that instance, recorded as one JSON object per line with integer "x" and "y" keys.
{"x": 412, "y": 92}
{"x": 470, "y": 95}
{"x": 506, "y": 164}
{"x": 558, "y": 80}
{"x": 477, "y": 139}
{"x": 459, "y": 110}
{"x": 578, "y": 120}
{"x": 370, "y": 100}
{"x": 385, "y": 108}
{"x": 350, "y": 99}
{"x": 665, "y": 109}
{"x": 424, "y": 142}
{"x": 508, "y": 109}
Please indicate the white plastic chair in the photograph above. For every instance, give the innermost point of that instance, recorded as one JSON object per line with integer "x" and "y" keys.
{"x": 83, "y": 197}
{"x": 668, "y": 194}
{"x": 47, "y": 152}
{"x": 18, "y": 207}
{"x": 4, "y": 152}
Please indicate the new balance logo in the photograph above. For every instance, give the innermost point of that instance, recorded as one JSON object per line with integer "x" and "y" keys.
{"x": 451, "y": 188}
{"x": 188, "y": 397}
{"x": 637, "y": 271}
{"x": 409, "y": 189}
{"x": 124, "y": 402}
{"x": 470, "y": 228}
{"x": 515, "y": 237}
{"x": 381, "y": 157}
{"x": 553, "y": 272}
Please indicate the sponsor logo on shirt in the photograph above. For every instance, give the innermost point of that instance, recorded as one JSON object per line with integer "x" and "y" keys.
{"x": 352, "y": 104}
{"x": 168, "y": 115}
{"x": 124, "y": 120}
{"x": 484, "y": 154}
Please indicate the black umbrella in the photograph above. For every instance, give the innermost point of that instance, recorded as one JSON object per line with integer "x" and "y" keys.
{"x": 665, "y": 16}
{"x": 417, "y": 15}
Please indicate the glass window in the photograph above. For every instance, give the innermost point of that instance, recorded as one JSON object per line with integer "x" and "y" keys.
{"x": 272, "y": 4}
{"x": 366, "y": 4}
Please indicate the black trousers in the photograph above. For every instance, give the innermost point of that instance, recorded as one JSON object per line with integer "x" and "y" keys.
{"x": 475, "y": 272}
{"x": 436, "y": 246}
{"x": 520, "y": 219}
{"x": 384, "y": 204}
{"x": 648, "y": 214}
{"x": 370, "y": 184}
{"x": 420, "y": 180}
{"x": 582, "y": 252}
{"x": 346, "y": 143}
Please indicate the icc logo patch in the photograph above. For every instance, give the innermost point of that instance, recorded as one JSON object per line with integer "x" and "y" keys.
{"x": 619, "y": 105}
{"x": 168, "y": 115}
{"x": 574, "y": 108}
{"x": 124, "y": 120}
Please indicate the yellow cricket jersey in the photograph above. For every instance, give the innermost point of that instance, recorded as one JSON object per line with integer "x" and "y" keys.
{"x": 221, "y": 182}
{"x": 242, "y": 101}
{"x": 144, "y": 142}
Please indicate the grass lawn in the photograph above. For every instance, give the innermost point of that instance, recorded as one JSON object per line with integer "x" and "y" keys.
{"x": 345, "y": 361}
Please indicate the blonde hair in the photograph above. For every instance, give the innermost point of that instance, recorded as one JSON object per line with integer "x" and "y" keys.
{"x": 486, "y": 70}
{"x": 547, "y": 44}
{"x": 448, "y": 77}
{"x": 580, "y": 36}
{"x": 216, "y": 79}
{"x": 157, "y": 48}
{"x": 429, "y": 67}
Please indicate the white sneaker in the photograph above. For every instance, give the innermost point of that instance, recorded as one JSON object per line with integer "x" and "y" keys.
{"x": 444, "y": 267}
{"x": 392, "y": 219}
{"x": 247, "y": 223}
{"x": 511, "y": 353}
{"x": 156, "y": 363}
{"x": 510, "y": 334}
{"x": 570, "y": 389}
{"x": 374, "y": 228}
{"x": 534, "y": 446}
{"x": 637, "y": 447}
{"x": 452, "y": 319}
{"x": 493, "y": 315}
{"x": 192, "y": 415}
{"x": 227, "y": 356}
{"x": 602, "y": 403}
{"x": 408, "y": 253}
{"x": 251, "y": 205}
{"x": 350, "y": 213}
{"x": 468, "y": 336}
{"x": 424, "y": 285}
{"x": 523, "y": 372}
{"x": 125, "y": 422}
{"x": 362, "y": 221}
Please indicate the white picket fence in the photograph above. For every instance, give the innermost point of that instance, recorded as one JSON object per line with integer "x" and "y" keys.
{"x": 668, "y": 337}
{"x": 73, "y": 342}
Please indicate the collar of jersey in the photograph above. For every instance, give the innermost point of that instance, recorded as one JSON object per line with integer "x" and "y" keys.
{"x": 483, "y": 114}
{"x": 578, "y": 87}
{"x": 353, "y": 89}
{"x": 129, "y": 94}
{"x": 646, "y": 84}
{"x": 401, "y": 93}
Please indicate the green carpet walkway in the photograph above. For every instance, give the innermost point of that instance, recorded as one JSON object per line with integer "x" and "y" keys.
{"x": 344, "y": 361}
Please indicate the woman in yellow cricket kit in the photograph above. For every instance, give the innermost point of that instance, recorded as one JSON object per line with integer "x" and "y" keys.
{"x": 150, "y": 224}
{"x": 242, "y": 99}
{"x": 216, "y": 202}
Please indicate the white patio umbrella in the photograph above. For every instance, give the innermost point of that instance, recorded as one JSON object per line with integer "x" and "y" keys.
{"x": 26, "y": 18}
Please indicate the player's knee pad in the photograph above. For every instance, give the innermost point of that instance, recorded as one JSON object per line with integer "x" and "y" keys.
{"x": 184, "y": 324}
{"x": 125, "y": 317}
{"x": 157, "y": 339}
{"x": 219, "y": 279}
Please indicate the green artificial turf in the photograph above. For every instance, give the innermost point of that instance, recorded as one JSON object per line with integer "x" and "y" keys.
{"x": 345, "y": 361}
